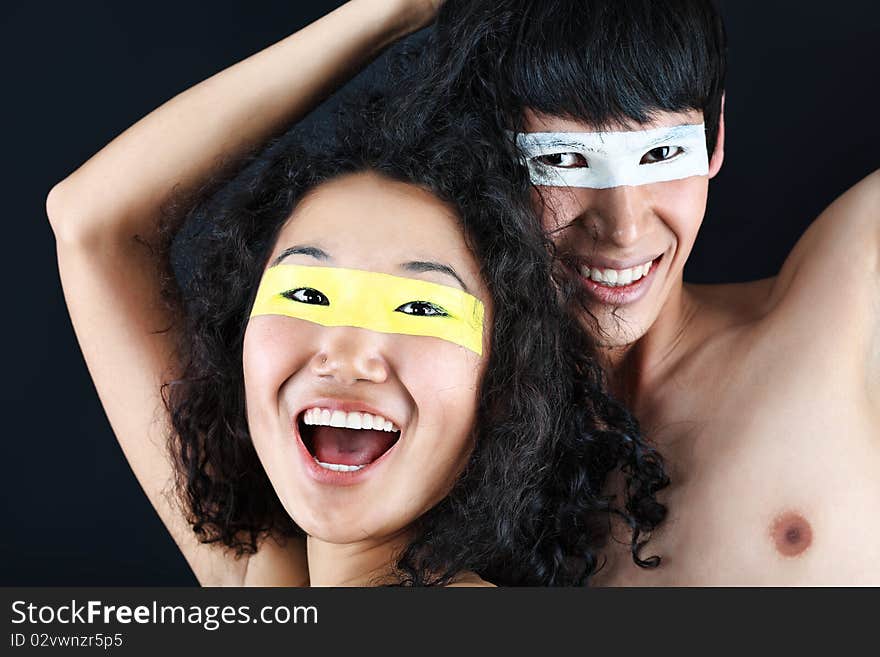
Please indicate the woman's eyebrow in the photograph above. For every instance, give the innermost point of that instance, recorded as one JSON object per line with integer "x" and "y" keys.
{"x": 312, "y": 251}
{"x": 420, "y": 266}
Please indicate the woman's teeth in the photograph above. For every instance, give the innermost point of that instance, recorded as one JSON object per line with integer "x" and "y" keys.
{"x": 339, "y": 467}
{"x": 354, "y": 420}
{"x": 616, "y": 277}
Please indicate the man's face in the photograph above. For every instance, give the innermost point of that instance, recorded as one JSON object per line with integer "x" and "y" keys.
{"x": 628, "y": 243}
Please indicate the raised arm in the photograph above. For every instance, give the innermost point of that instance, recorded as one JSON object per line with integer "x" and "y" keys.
{"x": 104, "y": 212}
{"x": 834, "y": 271}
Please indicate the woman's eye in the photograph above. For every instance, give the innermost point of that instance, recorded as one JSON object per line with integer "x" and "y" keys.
{"x": 307, "y": 295}
{"x": 422, "y": 309}
{"x": 563, "y": 160}
{"x": 661, "y": 154}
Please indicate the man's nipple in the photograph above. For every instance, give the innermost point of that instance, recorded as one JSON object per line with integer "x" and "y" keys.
{"x": 791, "y": 534}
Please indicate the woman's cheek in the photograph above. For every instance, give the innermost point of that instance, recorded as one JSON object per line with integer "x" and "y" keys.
{"x": 443, "y": 380}
{"x": 275, "y": 348}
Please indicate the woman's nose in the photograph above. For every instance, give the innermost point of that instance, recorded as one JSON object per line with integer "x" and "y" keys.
{"x": 349, "y": 355}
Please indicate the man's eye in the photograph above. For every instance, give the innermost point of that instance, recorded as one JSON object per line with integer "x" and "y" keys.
{"x": 661, "y": 154}
{"x": 307, "y": 295}
{"x": 422, "y": 309}
{"x": 563, "y": 160}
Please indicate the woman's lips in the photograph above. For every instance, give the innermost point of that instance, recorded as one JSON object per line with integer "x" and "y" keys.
{"x": 606, "y": 291}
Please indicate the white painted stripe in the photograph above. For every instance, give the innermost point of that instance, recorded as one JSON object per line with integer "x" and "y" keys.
{"x": 614, "y": 158}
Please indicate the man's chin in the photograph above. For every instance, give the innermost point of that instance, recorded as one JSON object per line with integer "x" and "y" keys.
{"x": 615, "y": 343}
{"x": 611, "y": 331}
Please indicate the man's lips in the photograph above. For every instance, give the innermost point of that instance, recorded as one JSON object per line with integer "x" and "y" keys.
{"x": 619, "y": 286}
{"x": 600, "y": 261}
{"x": 619, "y": 276}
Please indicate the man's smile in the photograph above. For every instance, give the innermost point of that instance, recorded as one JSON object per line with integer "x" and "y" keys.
{"x": 613, "y": 286}
{"x": 616, "y": 277}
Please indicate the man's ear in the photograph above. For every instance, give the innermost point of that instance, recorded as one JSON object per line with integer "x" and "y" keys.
{"x": 718, "y": 154}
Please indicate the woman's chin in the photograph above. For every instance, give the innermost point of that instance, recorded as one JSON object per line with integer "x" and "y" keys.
{"x": 342, "y": 529}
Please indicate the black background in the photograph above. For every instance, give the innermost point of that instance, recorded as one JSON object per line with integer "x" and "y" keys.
{"x": 802, "y": 126}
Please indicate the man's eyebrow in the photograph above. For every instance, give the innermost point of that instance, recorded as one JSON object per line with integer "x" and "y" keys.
{"x": 420, "y": 266}
{"x": 312, "y": 251}
{"x": 568, "y": 142}
{"x": 673, "y": 132}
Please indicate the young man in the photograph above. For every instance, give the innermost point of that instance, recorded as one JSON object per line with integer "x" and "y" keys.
{"x": 763, "y": 397}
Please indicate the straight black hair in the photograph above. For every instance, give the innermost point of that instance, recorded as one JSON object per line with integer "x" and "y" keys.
{"x": 604, "y": 62}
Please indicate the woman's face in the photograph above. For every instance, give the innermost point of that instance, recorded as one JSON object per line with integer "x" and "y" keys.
{"x": 301, "y": 376}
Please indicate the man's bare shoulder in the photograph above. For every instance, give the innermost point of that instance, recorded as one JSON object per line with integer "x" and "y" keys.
{"x": 837, "y": 260}
{"x": 733, "y": 304}
{"x": 826, "y": 299}
{"x": 844, "y": 241}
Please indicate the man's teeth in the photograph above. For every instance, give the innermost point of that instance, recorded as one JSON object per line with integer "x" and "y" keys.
{"x": 326, "y": 418}
{"x": 616, "y": 277}
{"x": 339, "y": 467}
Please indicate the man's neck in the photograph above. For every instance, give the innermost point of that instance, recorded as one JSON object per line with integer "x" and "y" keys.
{"x": 638, "y": 367}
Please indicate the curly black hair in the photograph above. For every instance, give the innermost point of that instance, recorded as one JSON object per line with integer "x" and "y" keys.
{"x": 531, "y": 506}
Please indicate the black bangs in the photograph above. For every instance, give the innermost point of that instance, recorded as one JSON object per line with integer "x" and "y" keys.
{"x": 605, "y": 62}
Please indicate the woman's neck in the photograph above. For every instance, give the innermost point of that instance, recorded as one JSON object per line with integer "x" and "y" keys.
{"x": 364, "y": 563}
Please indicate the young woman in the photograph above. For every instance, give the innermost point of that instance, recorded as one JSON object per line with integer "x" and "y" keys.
{"x": 497, "y": 448}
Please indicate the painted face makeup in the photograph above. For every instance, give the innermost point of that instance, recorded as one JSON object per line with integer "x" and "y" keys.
{"x": 601, "y": 160}
{"x": 332, "y": 296}
{"x": 361, "y": 395}
{"x": 623, "y": 206}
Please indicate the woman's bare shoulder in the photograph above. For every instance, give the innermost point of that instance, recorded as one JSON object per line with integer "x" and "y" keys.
{"x": 469, "y": 579}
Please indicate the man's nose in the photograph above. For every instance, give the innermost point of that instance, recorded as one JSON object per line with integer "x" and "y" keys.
{"x": 348, "y": 355}
{"x": 619, "y": 215}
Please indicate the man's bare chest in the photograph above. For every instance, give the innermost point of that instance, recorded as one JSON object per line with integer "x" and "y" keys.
{"x": 775, "y": 469}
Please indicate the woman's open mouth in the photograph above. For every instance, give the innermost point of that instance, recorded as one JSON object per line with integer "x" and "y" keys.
{"x": 345, "y": 442}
